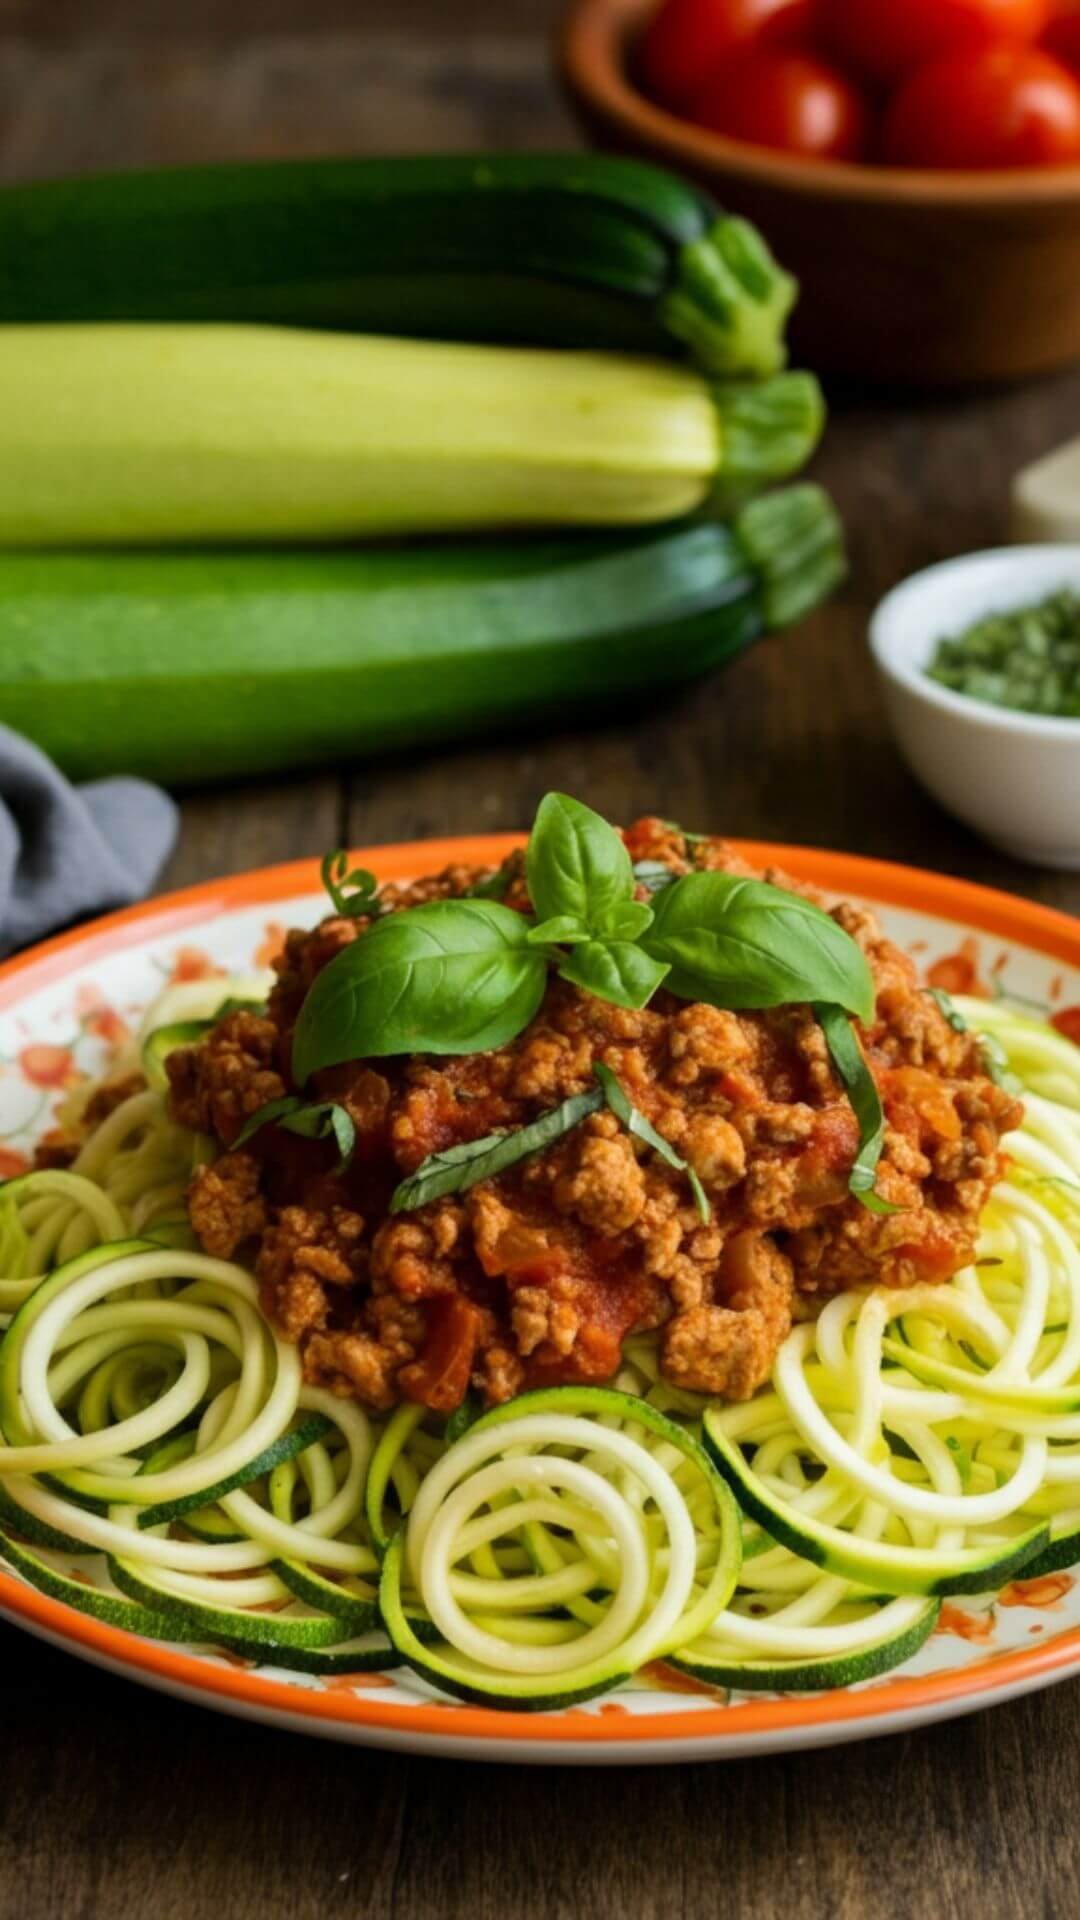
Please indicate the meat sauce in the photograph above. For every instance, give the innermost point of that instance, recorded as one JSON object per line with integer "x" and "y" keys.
{"x": 537, "y": 1277}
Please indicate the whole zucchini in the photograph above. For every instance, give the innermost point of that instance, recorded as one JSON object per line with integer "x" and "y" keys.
{"x": 534, "y": 249}
{"x": 117, "y": 434}
{"x": 190, "y": 667}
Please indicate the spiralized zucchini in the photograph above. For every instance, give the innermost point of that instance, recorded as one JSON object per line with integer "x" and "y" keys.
{"x": 164, "y": 1466}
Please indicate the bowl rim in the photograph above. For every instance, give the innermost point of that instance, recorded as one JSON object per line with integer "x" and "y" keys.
{"x": 591, "y": 50}
{"x": 962, "y": 706}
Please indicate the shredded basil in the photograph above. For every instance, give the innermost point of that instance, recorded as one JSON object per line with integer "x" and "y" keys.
{"x": 458, "y": 1168}
{"x": 318, "y": 1121}
{"x": 846, "y": 1055}
{"x": 635, "y": 1122}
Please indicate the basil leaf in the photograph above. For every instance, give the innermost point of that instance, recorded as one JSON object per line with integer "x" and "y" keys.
{"x": 576, "y": 863}
{"x": 654, "y": 875}
{"x": 565, "y": 927}
{"x": 948, "y": 1007}
{"x": 628, "y": 921}
{"x": 310, "y": 1122}
{"x": 319, "y": 1122}
{"x": 272, "y": 1110}
{"x": 614, "y": 970}
{"x": 635, "y": 1122}
{"x": 454, "y": 976}
{"x": 865, "y": 1100}
{"x": 459, "y": 1168}
{"x": 336, "y": 877}
{"x": 743, "y": 943}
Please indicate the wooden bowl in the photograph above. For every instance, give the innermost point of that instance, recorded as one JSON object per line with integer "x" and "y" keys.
{"x": 924, "y": 278}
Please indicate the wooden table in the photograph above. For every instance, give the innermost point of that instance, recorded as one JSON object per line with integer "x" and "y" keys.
{"x": 118, "y": 1803}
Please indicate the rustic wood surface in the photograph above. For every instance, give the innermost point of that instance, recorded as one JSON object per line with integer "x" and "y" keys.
{"x": 120, "y": 1803}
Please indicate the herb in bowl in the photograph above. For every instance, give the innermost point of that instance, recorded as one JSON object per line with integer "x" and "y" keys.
{"x": 1028, "y": 659}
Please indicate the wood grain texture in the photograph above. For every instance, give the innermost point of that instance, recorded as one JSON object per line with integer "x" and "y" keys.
{"x": 119, "y": 1803}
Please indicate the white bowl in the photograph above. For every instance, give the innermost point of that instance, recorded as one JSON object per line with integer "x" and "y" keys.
{"x": 1014, "y": 777}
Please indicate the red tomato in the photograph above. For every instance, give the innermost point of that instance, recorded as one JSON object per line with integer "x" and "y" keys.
{"x": 686, "y": 39}
{"x": 776, "y": 98}
{"x": 996, "y": 106}
{"x": 1067, "y": 1021}
{"x": 1062, "y": 36}
{"x": 883, "y": 39}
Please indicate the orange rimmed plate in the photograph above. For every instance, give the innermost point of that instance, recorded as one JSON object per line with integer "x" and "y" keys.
{"x": 64, "y": 1005}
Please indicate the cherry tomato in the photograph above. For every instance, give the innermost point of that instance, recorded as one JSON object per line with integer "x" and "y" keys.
{"x": 686, "y": 39}
{"x": 996, "y": 106}
{"x": 779, "y": 98}
{"x": 883, "y": 39}
{"x": 1062, "y": 36}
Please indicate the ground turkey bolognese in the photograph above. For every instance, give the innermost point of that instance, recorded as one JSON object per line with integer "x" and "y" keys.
{"x": 536, "y": 1277}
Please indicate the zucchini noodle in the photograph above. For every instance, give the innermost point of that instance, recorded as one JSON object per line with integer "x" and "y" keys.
{"x": 164, "y": 1466}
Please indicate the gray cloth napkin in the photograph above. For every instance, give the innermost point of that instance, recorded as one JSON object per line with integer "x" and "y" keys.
{"x": 66, "y": 851}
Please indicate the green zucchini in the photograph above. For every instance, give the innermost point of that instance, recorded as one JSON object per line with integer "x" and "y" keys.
{"x": 189, "y": 667}
{"x": 750, "y": 1673}
{"x": 875, "y": 1564}
{"x": 529, "y": 249}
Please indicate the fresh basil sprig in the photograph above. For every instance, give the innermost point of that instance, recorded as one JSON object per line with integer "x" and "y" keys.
{"x": 458, "y": 1168}
{"x": 336, "y": 878}
{"x": 453, "y": 976}
{"x": 312, "y": 1122}
{"x": 861, "y": 1088}
{"x": 581, "y": 883}
{"x": 635, "y": 1122}
{"x": 744, "y": 943}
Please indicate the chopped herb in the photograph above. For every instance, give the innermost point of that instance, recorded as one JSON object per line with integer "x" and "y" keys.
{"x": 321, "y": 1121}
{"x": 362, "y": 886}
{"x": 857, "y": 1078}
{"x": 459, "y": 1168}
{"x": 635, "y": 1122}
{"x": 1027, "y": 659}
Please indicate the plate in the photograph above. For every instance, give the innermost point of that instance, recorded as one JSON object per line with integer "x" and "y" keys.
{"x": 64, "y": 1005}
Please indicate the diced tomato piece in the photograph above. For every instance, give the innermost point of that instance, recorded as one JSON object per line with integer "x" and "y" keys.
{"x": 929, "y": 1096}
{"x": 440, "y": 1378}
{"x": 1067, "y": 1021}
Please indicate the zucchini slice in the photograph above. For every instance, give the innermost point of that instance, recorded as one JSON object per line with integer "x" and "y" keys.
{"x": 872, "y": 1563}
{"x": 453, "y": 1674}
{"x": 864, "y": 1662}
